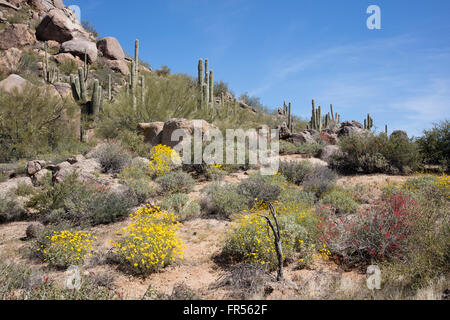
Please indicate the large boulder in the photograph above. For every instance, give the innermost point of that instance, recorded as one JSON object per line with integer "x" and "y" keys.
{"x": 188, "y": 126}
{"x": 61, "y": 26}
{"x": 110, "y": 48}
{"x": 86, "y": 170}
{"x": 15, "y": 36}
{"x": 152, "y": 132}
{"x": 350, "y": 128}
{"x": 303, "y": 137}
{"x": 118, "y": 65}
{"x": 9, "y": 59}
{"x": 65, "y": 57}
{"x": 284, "y": 131}
{"x": 80, "y": 47}
{"x": 13, "y": 82}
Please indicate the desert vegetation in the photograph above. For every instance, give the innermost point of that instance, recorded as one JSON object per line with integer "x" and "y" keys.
{"x": 89, "y": 179}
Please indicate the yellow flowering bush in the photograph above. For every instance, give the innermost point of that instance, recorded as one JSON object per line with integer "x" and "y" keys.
{"x": 150, "y": 242}
{"x": 252, "y": 241}
{"x": 64, "y": 248}
{"x": 162, "y": 159}
{"x": 443, "y": 182}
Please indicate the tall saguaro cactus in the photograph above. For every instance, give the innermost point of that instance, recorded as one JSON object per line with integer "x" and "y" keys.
{"x": 79, "y": 92}
{"x": 50, "y": 76}
{"x": 368, "y": 123}
{"x": 206, "y": 83}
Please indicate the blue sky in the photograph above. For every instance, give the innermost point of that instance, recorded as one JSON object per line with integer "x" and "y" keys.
{"x": 300, "y": 50}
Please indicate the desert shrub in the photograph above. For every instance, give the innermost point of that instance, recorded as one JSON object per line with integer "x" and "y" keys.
{"x": 134, "y": 142}
{"x": 162, "y": 160}
{"x": 261, "y": 188}
{"x": 295, "y": 172}
{"x": 379, "y": 233}
{"x": 435, "y": 145}
{"x": 223, "y": 200}
{"x": 309, "y": 149}
{"x": 63, "y": 249}
{"x": 23, "y": 189}
{"x": 10, "y": 210}
{"x": 175, "y": 182}
{"x": 89, "y": 27}
{"x": 36, "y": 130}
{"x": 79, "y": 204}
{"x": 68, "y": 67}
{"x": 138, "y": 181}
{"x": 164, "y": 71}
{"x": 369, "y": 153}
{"x": 215, "y": 172}
{"x": 340, "y": 201}
{"x": 180, "y": 204}
{"x": 150, "y": 242}
{"x": 251, "y": 240}
{"x": 113, "y": 157}
{"x": 18, "y": 282}
{"x": 320, "y": 180}
{"x": 299, "y": 196}
{"x": 287, "y": 147}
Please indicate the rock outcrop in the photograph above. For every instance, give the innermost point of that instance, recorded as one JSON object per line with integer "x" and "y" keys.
{"x": 80, "y": 47}
{"x": 13, "y": 82}
{"x": 110, "y": 48}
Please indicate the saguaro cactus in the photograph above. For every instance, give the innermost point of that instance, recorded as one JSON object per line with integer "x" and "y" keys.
{"x": 368, "y": 123}
{"x": 79, "y": 93}
{"x": 200, "y": 73}
{"x": 109, "y": 87}
{"x": 50, "y": 76}
{"x": 211, "y": 87}
{"x": 143, "y": 89}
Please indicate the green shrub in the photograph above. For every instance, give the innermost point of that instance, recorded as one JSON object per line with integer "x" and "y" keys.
{"x": 250, "y": 241}
{"x": 180, "y": 204}
{"x": 175, "y": 182}
{"x": 320, "y": 180}
{"x": 81, "y": 205}
{"x": 370, "y": 153}
{"x": 113, "y": 157}
{"x": 435, "y": 144}
{"x": 138, "y": 181}
{"x": 309, "y": 149}
{"x": 298, "y": 196}
{"x": 36, "y": 130}
{"x": 23, "y": 189}
{"x": 260, "y": 188}
{"x": 9, "y": 209}
{"x": 68, "y": 67}
{"x": 340, "y": 201}
{"x": 134, "y": 142}
{"x": 287, "y": 147}
{"x": 295, "y": 172}
{"x": 222, "y": 200}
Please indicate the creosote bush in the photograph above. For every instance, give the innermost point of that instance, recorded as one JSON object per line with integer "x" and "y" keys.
{"x": 261, "y": 188}
{"x": 370, "y": 153}
{"x": 9, "y": 209}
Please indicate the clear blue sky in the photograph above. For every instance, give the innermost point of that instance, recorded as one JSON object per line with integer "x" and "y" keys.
{"x": 300, "y": 50}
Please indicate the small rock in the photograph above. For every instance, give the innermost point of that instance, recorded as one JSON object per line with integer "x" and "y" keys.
{"x": 39, "y": 177}
{"x": 76, "y": 158}
{"x": 33, "y": 167}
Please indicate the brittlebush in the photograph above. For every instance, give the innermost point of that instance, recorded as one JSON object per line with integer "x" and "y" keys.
{"x": 251, "y": 240}
{"x": 162, "y": 158}
{"x": 65, "y": 248}
{"x": 150, "y": 242}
